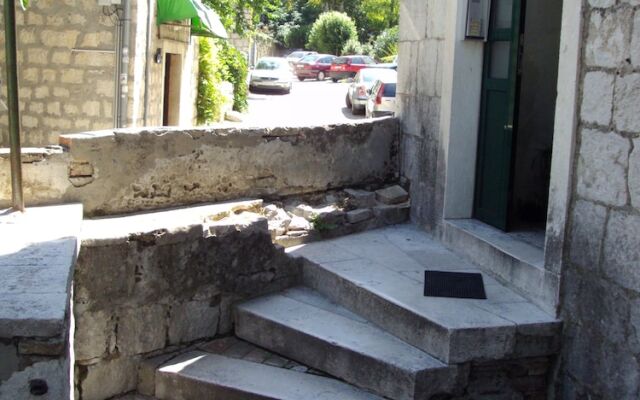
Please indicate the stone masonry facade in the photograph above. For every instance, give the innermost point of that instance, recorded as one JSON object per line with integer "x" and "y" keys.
{"x": 66, "y": 59}
{"x": 422, "y": 37}
{"x": 170, "y": 288}
{"x": 601, "y": 280}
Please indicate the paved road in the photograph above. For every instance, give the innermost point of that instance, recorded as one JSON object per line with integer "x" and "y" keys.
{"x": 309, "y": 103}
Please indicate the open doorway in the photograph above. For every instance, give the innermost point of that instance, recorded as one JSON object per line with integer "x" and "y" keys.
{"x": 517, "y": 115}
{"x": 172, "y": 81}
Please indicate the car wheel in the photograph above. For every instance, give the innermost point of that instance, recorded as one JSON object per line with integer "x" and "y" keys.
{"x": 335, "y": 80}
{"x": 355, "y": 110}
{"x": 300, "y": 78}
{"x": 321, "y": 76}
{"x": 347, "y": 100}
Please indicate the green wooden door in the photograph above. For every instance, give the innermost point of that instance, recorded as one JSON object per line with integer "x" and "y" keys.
{"x": 498, "y": 114}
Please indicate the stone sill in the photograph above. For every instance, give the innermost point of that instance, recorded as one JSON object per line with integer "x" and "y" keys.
{"x": 37, "y": 257}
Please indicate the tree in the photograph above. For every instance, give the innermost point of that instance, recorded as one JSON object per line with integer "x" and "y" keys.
{"x": 331, "y": 31}
{"x": 241, "y": 16}
{"x": 386, "y": 44}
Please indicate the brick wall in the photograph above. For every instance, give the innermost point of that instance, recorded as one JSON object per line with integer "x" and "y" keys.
{"x": 601, "y": 283}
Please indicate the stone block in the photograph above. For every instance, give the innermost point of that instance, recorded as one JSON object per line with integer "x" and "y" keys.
{"x": 355, "y": 216}
{"x": 303, "y": 210}
{"x": 597, "y": 98}
{"x": 52, "y": 38}
{"x": 10, "y": 361}
{"x": 109, "y": 378}
{"x": 95, "y": 334}
{"x": 602, "y": 3}
{"x": 635, "y": 40}
{"x": 634, "y": 174}
{"x": 622, "y": 250}
{"x": 608, "y": 38}
{"x": 413, "y": 20}
{"x": 392, "y": 215}
{"x": 586, "y": 237}
{"x": 602, "y": 166}
{"x": 42, "y": 347}
{"x": 192, "y": 321}
{"x": 392, "y": 195}
{"x": 360, "y": 198}
{"x": 72, "y": 75}
{"x": 627, "y": 98}
{"x": 299, "y": 224}
{"x": 147, "y": 373}
{"x": 141, "y": 330}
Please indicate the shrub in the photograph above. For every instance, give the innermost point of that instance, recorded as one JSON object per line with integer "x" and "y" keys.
{"x": 352, "y": 47}
{"x": 386, "y": 44}
{"x": 235, "y": 70}
{"x": 210, "y": 100}
{"x": 296, "y": 37}
{"x": 331, "y": 32}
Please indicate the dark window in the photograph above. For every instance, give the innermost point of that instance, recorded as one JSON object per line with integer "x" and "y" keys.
{"x": 357, "y": 60}
{"x": 389, "y": 90}
{"x": 341, "y": 60}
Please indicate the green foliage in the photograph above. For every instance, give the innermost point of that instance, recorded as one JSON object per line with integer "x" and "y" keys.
{"x": 353, "y": 46}
{"x": 371, "y": 16}
{"x": 321, "y": 225}
{"x": 331, "y": 31}
{"x": 210, "y": 100}
{"x": 235, "y": 70}
{"x": 386, "y": 44}
{"x": 242, "y": 16}
{"x": 24, "y": 4}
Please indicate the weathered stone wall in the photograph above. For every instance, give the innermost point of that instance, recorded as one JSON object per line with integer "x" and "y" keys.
{"x": 113, "y": 172}
{"x": 421, "y": 47}
{"x": 156, "y": 283}
{"x": 601, "y": 283}
{"x": 66, "y": 59}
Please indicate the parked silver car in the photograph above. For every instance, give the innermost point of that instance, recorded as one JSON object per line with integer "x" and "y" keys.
{"x": 382, "y": 98}
{"x": 271, "y": 73}
{"x": 359, "y": 90}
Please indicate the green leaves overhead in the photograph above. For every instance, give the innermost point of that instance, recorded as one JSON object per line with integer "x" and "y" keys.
{"x": 24, "y": 4}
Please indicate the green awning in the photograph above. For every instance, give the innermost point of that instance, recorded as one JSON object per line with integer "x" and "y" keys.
{"x": 204, "y": 21}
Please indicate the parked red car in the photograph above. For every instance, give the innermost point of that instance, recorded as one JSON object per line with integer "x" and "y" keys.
{"x": 348, "y": 66}
{"x": 314, "y": 66}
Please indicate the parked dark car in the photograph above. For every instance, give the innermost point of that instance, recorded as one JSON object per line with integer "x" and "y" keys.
{"x": 348, "y": 66}
{"x": 314, "y": 66}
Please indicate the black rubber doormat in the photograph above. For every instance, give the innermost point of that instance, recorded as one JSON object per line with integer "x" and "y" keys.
{"x": 461, "y": 285}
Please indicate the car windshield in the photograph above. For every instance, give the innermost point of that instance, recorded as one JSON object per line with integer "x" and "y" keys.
{"x": 310, "y": 58}
{"x": 269, "y": 65}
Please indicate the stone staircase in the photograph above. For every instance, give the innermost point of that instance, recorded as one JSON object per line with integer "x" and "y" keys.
{"x": 360, "y": 324}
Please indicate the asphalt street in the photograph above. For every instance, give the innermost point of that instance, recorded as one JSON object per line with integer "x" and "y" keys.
{"x": 309, "y": 103}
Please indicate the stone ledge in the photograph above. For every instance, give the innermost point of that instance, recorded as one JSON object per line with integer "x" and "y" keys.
{"x": 36, "y": 262}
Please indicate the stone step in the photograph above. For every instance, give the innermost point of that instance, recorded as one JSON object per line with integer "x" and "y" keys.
{"x": 198, "y": 375}
{"x": 305, "y": 326}
{"x": 380, "y": 276}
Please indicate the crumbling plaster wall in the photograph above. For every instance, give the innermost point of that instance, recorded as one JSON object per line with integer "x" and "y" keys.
{"x": 66, "y": 59}
{"x": 124, "y": 171}
{"x": 601, "y": 278}
{"x": 148, "y": 286}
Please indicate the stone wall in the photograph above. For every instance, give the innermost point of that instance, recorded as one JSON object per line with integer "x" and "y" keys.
{"x": 421, "y": 47}
{"x": 114, "y": 172}
{"x": 66, "y": 58}
{"x": 175, "y": 278}
{"x": 601, "y": 283}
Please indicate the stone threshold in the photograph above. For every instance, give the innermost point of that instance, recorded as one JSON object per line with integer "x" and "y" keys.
{"x": 508, "y": 257}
